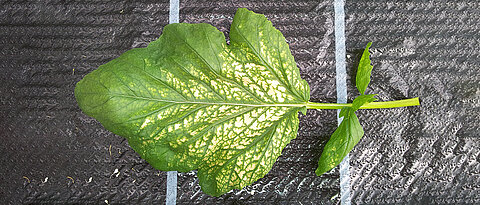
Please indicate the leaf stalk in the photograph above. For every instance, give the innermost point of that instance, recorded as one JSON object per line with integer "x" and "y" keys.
{"x": 372, "y": 105}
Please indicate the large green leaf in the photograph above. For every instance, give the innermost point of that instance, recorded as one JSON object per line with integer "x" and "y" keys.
{"x": 190, "y": 101}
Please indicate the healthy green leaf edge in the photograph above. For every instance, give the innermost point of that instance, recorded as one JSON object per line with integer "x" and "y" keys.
{"x": 190, "y": 101}
{"x": 364, "y": 70}
{"x": 345, "y": 137}
{"x": 342, "y": 141}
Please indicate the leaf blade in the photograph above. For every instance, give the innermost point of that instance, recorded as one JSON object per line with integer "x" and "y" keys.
{"x": 364, "y": 70}
{"x": 345, "y": 137}
{"x": 190, "y": 101}
{"x": 241, "y": 35}
{"x": 342, "y": 141}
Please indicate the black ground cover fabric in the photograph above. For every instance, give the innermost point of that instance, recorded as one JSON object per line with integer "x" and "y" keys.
{"x": 428, "y": 154}
{"x": 52, "y": 153}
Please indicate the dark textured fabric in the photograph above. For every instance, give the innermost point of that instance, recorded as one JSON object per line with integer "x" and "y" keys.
{"x": 53, "y": 153}
{"x": 428, "y": 154}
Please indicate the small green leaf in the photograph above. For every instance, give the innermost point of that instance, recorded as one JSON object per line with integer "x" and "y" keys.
{"x": 190, "y": 101}
{"x": 342, "y": 141}
{"x": 364, "y": 70}
{"x": 345, "y": 137}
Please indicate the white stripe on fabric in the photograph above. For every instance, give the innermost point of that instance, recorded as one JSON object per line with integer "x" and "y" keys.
{"x": 341, "y": 82}
{"x": 171, "y": 196}
{"x": 171, "y": 188}
{"x": 174, "y": 11}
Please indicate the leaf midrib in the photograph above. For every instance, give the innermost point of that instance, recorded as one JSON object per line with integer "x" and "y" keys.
{"x": 209, "y": 103}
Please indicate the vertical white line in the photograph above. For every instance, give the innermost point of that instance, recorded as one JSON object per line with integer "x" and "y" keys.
{"x": 341, "y": 82}
{"x": 171, "y": 196}
{"x": 174, "y": 11}
{"x": 171, "y": 188}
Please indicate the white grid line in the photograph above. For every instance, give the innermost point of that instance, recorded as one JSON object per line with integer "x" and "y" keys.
{"x": 171, "y": 196}
{"x": 341, "y": 83}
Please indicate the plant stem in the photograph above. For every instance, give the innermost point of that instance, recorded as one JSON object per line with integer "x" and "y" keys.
{"x": 372, "y": 105}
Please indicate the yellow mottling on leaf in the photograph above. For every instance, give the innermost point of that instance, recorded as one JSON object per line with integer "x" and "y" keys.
{"x": 238, "y": 123}
{"x": 237, "y": 130}
{"x": 196, "y": 93}
{"x": 223, "y": 108}
{"x": 182, "y": 140}
{"x": 248, "y": 119}
{"x": 147, "y": 62}
{"x": 250, "y": 167}
{"x": 273, "y": 83}
{"x": 255, "y": 126}
{"x": 145, "y": 123}
{"x": 177, "y": 126}
{"x": 261, "y": 118}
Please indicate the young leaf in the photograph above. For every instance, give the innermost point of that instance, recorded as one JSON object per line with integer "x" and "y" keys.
{"x": 342, "y": 141}
{"x": 345, "y": 137}
{"x": 364, "y": 70}
{"x": 190, "y": 101}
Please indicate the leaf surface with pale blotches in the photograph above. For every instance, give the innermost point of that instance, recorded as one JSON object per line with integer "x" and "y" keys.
{"x": 190, "y": 101}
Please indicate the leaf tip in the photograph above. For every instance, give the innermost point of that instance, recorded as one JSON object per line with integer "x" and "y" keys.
{"x": 368, "y": 45}
{"x": 243, "y": 10}
{"x": 319, "y": 172}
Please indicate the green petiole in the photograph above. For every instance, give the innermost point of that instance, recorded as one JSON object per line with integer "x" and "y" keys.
{"x": 372, "y": 105}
